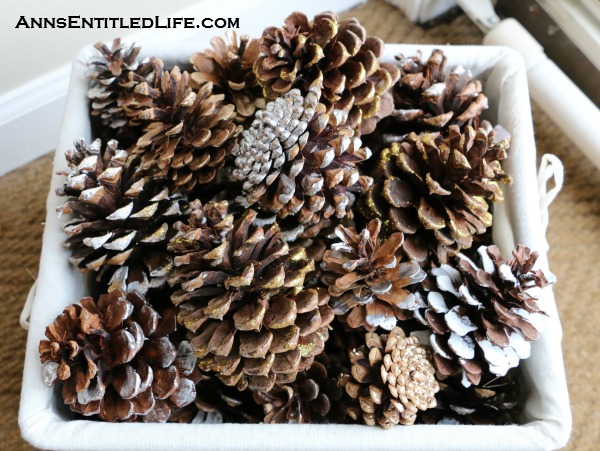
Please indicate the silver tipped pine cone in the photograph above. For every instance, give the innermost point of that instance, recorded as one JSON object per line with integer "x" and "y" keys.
{"x": 115, "y": 359}
{"x": 484, "y": 313}
{"x": 367, "y": 277}
{"x": 120, "y": 217}
{"x": 296, "y": 159}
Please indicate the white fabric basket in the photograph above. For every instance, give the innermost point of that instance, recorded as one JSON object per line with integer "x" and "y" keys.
{"x": 546, "y": 418}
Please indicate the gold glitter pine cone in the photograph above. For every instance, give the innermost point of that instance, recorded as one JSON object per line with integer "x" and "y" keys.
{"x": 335, "y": 54}
{"x": 243, "y": 300}
{"x": 436, "y": 189}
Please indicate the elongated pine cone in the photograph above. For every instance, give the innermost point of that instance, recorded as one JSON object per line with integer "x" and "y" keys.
{"x": 228, "y": 66}
{"x": 120, "y": 218}
{"x": 428, "y": 97}
{"x": 243, "y": 299}
{"x": 187, "y": 134}
{"x": 114, "y": 76}
{"x": 483, "y": 313}
{"x": 336, "y": 55}
{"x": 436, "y": 190}
{"x": 298, "y": 160}
{"x": 367, "y": 277}
{"x": 391, "y": 379}
{"x": 301, "y": 401}
{"x": 115, "y": 359}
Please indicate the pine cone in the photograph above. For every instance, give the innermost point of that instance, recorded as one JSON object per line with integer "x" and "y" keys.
{"x": 435, "y": 189}
{"x": 495, "y": 403}
{"x": 392, "y": 378}
{"x": 336, "y": 55}
{"x": 114, "y": 77}
{"x": 301, "y": 401}
{"x": 298, "y": 160}
{"x": 228, "y": 66}
{"x": 243, "y": 299}
{"x": 428, "y": 98}
{"x": 115, "y": 359}
{"x": 366, "y": 277}
{"x": 120, "y": 217}
{"x": 483, "y": 314}
{"x": 187, "y": 134}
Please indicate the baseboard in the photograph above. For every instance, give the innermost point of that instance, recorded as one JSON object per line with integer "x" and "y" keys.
{"x": 31, "y": 115}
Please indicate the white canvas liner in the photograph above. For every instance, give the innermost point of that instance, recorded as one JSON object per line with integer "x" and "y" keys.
{"x": 546, "y": 417}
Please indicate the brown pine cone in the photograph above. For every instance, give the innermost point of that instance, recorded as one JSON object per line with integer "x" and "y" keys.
{"x": 120, "y": 217}
{"x": 243, "y": 299}
{"x": 367, "y": 277}
{"x": 228, "y": 66}
{"x": 392, "y": 378}
{"x": 114, "y": 77}
{"x": 298, "y": 160}
{"x": 115, "y": 359}
{"x": 338, "y": 56}
{"x": 483, "y": 313}
{"x": 435, "y": 189}
{"x": 187, "y": 134}
{"x": 496, "y": 402}
{"x": 301, "y": 401}
{"x": 429, "y": 98}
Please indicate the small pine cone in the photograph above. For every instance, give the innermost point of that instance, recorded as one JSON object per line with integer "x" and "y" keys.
{"x": 228, "y": 66}
{"x": 495, "y": 403}
{"x": 120, "y": 217}
{"x": 244, "y": 302}
{"x": 187, "y": 134}
{"x": 114, "y": 77}
{"x": 115, "y": 359}
{"x": 483, "y": 314}
{"x": 427, "y": 97}
{"x": 298, "y": 160}
{"x": 435, "y": 189}
{"x": 391, "y": 378}
{"x": 300, "y": 401}
{"x": 367, "y": 277}
{"x": 336, "y": 55}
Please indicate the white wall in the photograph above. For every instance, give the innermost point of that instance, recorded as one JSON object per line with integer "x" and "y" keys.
{"x": 27, "y": 54}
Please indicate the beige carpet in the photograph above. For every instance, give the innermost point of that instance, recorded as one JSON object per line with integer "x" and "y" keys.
{"x": 574, "y": 236}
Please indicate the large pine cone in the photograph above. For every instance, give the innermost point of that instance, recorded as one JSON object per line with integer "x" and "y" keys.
{"x": 392, "y": 379}
{"x": 427, "y": 97}
{"x": 228, "y": 66}
{"x": 114, "y": 77}
{"x": 483, "y": 314}
{"x": 187, "y": 134}
{"x": 304, "y": 400}
{"x": 367, "y": 277}
{"x": 435, "y": 189}
{"x": 243, "y": 299}
{"x": 120, "y": 217}
{"x": 298, "y": 160}
{"x": 115, "y": 359}
{"x": 336, "y": 55}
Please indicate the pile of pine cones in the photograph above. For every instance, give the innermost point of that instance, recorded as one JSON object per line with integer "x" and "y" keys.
{"x": 288, "y": 230}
